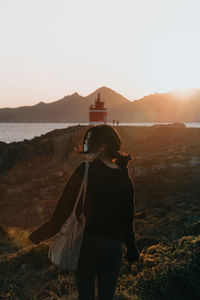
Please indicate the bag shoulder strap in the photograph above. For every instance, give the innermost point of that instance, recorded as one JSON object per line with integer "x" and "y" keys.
{"x": 85, "y": 183}
{"x": 83, "y": 187}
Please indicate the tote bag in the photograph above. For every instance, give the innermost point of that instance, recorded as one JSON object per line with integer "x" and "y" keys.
{"x": 65, "y": 248}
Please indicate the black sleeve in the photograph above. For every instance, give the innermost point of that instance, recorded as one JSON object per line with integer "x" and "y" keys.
{"x": 63, "y": 208}
{"x": 130, "y": 241}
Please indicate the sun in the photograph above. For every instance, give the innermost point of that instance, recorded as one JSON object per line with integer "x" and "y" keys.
{"x": 183, "y": 93}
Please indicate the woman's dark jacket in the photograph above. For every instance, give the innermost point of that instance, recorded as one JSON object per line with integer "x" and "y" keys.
{"x": 108, "y": 208}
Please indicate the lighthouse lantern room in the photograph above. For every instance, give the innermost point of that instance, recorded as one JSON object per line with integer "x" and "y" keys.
{"x": 97, "y": 113}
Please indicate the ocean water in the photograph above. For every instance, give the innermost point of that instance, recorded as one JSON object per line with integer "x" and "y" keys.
{"x": 15, "y": 132}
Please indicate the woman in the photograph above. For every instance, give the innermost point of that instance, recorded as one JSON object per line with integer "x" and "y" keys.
{"x": 109, "y": 212}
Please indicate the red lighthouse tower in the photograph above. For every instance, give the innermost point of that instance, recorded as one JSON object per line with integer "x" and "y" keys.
{"x": 97, "y": 113}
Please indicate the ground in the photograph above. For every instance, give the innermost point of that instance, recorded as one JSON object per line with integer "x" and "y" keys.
{"x": 166, "y": 174}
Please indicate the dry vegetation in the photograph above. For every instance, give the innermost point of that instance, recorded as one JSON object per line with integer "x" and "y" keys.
{"x": 167, "y": 221}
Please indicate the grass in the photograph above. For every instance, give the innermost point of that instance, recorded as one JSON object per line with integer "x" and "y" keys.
{"x": 168, "y": 267}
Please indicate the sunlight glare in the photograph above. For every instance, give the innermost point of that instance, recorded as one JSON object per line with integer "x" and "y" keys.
{"x": 183, "y": 94}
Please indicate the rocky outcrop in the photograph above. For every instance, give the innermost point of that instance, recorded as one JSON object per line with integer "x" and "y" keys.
{"x": 56, "y": 145}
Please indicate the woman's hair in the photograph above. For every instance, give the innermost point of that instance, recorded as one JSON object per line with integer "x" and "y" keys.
{"x": 107, "y": 135}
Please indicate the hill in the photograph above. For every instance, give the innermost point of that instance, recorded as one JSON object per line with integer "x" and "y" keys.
{"x": 166, "y": 173}
{"x": 168, "y": 107}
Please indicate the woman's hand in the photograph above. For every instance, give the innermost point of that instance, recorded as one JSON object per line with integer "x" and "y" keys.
{"x": 32, "y": 242}
{"x": 132, "y": 256}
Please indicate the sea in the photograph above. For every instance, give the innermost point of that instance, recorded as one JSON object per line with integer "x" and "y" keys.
{"x": 15, "y": 132}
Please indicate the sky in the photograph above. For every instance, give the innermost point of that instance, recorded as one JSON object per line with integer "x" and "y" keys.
{"x": 53, "y": 48}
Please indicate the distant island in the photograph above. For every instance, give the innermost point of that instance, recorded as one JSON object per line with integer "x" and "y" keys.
{"x": 175, "y": 124}
{"x": 74, "y": 108}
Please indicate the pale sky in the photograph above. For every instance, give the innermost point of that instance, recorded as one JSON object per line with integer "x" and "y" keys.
{"x": 53, "y": 48}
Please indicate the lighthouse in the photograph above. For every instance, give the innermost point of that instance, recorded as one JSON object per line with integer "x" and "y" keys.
{"x": 97, "y": 112}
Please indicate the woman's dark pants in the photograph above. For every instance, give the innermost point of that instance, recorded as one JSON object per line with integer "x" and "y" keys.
{"x": 102, "y": 258}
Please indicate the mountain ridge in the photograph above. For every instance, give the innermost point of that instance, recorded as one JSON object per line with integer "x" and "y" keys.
{"x": 158, "y": 107}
